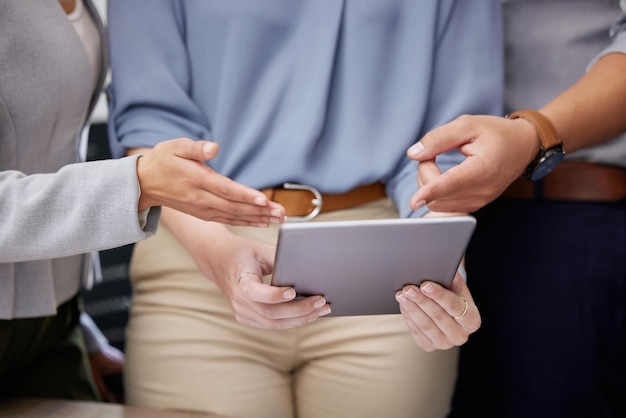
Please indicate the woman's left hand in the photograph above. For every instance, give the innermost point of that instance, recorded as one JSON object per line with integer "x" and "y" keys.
{"x": 108, "y": 363}
{"x": 438, "y": 318}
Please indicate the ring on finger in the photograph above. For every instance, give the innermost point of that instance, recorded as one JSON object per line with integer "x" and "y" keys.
{"x": 464, "y": 310}
{"x": 242, "y": 275}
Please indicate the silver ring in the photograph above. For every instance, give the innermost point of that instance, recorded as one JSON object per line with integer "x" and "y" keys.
{"x": 464, "y": 310}
{"x": 242, "y": 275}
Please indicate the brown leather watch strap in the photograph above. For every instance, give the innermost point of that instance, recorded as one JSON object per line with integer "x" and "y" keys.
{"x": 544, "y": 127}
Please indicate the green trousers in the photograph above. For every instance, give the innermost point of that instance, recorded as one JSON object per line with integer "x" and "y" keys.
{"x": 46, "y": 357}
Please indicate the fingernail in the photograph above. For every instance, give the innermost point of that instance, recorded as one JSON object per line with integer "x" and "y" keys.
{"x": 260, "y": 200}
{"x": 276, "y": 213}
{"x": 428, "y": 288}
{"x": 325, "y": 311}
{"x": 289, "y": 294}
{"x": 319, "y": 303}
{"x": 419, "y": 204}
{"x": 208, "y": 148}
{"x": 409, "y": 291}
{"x": 416, "y": 149}
{"x": 400, "y": 297}
{"x": 275, "y": 220}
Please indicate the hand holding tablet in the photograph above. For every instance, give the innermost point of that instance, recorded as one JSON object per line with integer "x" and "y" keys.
{"x": 359, "y": 265}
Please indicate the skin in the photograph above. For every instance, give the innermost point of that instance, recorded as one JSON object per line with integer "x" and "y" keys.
{"x": 498, "y": 150}
{"x": 429, "y": 311}
{"x": 173, "y": 174}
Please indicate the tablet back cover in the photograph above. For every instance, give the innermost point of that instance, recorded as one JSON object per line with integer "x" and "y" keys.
{"x": 359, "y": 265}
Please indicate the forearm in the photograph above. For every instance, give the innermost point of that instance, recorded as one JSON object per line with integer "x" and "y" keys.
{"x": 194, "y": 233}
{"x": 207, "y": 243}
{"x": 592, "y": 110}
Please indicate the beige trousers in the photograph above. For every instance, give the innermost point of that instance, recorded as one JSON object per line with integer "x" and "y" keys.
{"x": 186, "y": 351}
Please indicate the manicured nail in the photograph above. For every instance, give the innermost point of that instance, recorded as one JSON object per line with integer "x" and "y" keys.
{"x": 419, "y": 204}
{"x": 409, "y": 291}
{"x": 319, "y": 303}
{"x": 208, "y": 148}
{"x": 289, "y": 294}
{"x": 428, "y": 288}
{"x": 401, "y": 298}
{"x": 276, "y": 213}
{"x": 275, "y": 220}
{"x": 416, "y": 150}
{"x": 325, "y": 311}
{"x": 260, "y": 200}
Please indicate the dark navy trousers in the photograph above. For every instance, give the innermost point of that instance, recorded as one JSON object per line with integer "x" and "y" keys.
{"x": 549, "y": 279}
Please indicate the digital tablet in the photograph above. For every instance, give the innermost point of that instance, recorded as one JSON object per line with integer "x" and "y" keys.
{"x": 359, "y": 265}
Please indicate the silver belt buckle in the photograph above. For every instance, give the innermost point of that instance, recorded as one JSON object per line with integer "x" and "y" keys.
{"x": 317, "y": 201}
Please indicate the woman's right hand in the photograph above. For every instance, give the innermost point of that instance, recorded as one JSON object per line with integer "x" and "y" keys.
{"x": 173, "y": 174}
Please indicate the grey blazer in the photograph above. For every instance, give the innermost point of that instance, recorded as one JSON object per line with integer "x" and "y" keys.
{"x": 52, "y": 210}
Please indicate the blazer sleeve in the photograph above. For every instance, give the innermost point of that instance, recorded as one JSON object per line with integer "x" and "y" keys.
{"x": 81, "y": 208}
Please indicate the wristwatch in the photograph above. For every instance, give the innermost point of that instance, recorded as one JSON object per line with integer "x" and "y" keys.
{"x": 551, "y": 152}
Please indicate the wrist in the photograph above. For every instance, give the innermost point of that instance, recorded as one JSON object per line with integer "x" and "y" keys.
{"x": 146, "y": 201}
{"x": 528, "y": 142}
{"x": 551, "y": 148}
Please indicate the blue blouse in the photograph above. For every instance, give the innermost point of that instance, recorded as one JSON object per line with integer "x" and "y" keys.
{"x": 328, "y": 93}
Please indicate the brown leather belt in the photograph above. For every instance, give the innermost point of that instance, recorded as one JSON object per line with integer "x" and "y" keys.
{"x": 574, "y": 181}
{"x": 304, "y": 202}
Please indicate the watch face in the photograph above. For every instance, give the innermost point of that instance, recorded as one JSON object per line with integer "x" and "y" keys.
{"x": 547, "y": 163}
